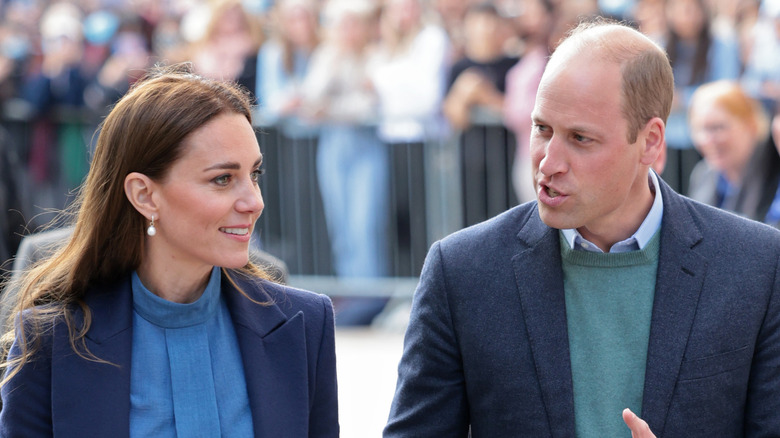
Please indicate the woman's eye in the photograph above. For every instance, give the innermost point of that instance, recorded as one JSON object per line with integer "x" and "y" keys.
{"x": 222, "y": 180}
{"x": 256, "y": 174}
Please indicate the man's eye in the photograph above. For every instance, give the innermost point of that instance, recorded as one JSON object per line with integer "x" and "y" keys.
{"x": 580, "y": 138}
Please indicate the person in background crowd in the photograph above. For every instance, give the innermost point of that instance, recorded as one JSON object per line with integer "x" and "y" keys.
{"x": 762, "y": 72}
{"x": 759, "y": 194}
{"x": 58, "y": 79}
{"x": 698, "y": 55}
{"x": 352, "y": 163}
{"x": 650, "y": 17}
{"x": 294, "y": 33}
{"x": 151, "y": 321}
{"x": 58, "y": 155}
{"x": 473, "y": 104}
{"x": 229, "y": 44}
{"x": 727, "y": 127}
{"x": 409, "y": 78}
{"x": 450, "y": 14}
{"x": 282, "y": 64}
{"x": 15, "y": 54}
{"x": 127, "y": 59}
{"x": 478, "y": 80}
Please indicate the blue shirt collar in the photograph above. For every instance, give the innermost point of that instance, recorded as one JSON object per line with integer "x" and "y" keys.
{"x": 638, "y": 240}
{"x": 168, "y": 314}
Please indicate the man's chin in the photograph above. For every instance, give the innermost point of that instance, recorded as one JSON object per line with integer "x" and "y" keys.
{"x": 555, "y": 219}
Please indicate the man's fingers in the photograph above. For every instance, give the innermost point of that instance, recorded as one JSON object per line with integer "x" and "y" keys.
{"x": 639, "y": 429}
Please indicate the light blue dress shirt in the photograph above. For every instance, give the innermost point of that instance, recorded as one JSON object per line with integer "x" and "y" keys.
{"x": 186, "y": 375}
{"x": 638, "y": 240}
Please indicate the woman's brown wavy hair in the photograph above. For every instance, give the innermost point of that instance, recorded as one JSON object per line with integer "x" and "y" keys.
{"x": 142, "y": 133}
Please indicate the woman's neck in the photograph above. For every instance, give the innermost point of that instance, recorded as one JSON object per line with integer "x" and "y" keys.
{"x": 176, "y": 285}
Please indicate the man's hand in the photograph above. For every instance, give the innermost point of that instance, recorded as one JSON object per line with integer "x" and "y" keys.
{"x": 639, "y": 429}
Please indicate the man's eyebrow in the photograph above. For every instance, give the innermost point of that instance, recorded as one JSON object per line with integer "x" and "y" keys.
{"x": 581, "y": 128}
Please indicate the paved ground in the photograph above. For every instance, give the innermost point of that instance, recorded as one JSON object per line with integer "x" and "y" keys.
{"x": 367, "y": 361}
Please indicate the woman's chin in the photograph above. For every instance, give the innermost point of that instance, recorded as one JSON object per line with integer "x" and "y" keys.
{"x": 236, "y": 262}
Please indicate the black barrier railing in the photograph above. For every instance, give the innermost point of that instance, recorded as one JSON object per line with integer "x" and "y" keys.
{"x": 422, "y": 201}
{"x": 427, "y": 193}
{"x": 487, "y": 151}
{"x": 292, "y": 226}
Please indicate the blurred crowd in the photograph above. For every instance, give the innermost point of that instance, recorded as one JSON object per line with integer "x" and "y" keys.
{"x": 359, "y": 75}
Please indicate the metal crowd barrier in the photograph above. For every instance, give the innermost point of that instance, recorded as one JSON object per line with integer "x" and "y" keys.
{"x": 445, "y": 186}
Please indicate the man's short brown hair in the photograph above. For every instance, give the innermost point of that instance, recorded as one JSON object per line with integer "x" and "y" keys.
{"x": 647, "y": 86}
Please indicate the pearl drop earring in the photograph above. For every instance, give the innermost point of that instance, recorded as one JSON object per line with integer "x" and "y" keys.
{"x": 151, "y": 230}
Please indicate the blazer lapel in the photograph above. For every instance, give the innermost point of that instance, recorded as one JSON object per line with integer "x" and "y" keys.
{"x": 539, "y": 278}
{"x": 273, "y": 350}
{"x": 92, "y": 398}
{"x": 679, "y": 282}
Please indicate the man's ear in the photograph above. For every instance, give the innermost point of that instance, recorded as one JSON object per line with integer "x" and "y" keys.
{"x": 139, "y": 189}
{"x": 653, "y": 141}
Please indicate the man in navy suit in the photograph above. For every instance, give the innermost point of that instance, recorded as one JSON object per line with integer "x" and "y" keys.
{"x": 611, "y": 301}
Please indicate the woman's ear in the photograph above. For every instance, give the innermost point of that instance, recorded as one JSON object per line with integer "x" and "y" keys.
{"x": 139, "y": 189}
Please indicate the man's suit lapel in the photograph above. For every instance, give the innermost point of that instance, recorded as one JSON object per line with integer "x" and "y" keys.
{"x": 92, "y": 398}
{"x": 273, "y": 351}
{"x": 679, "y": 282}
{"x": 539, "y": 278}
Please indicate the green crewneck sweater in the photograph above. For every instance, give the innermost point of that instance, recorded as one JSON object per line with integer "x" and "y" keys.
{"x": 609, "y": 301}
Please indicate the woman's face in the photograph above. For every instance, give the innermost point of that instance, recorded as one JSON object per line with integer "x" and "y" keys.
{"x": 299, "y": 25}
{"x": 723, "y": 139}
{"x": 535, "y": 20}
{"x": 685, "y": 17}
{"x": 353, "y": 32}
{"x": 209, "y": 200}
{"x": 403, "y": 15}
{"x": 232, "y": 30}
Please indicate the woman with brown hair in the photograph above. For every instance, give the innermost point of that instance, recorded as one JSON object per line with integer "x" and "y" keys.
{"x": 229, "y": 44}
{"x": 282, "y": 64}
{"x": 151, "y": 321}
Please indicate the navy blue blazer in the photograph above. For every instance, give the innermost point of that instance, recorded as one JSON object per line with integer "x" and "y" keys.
{"x": 287, "y": 349}
{"x": 487, "y": 344}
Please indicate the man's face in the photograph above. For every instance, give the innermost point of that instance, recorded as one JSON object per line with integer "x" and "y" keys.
{"x": 586, "y": 174}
